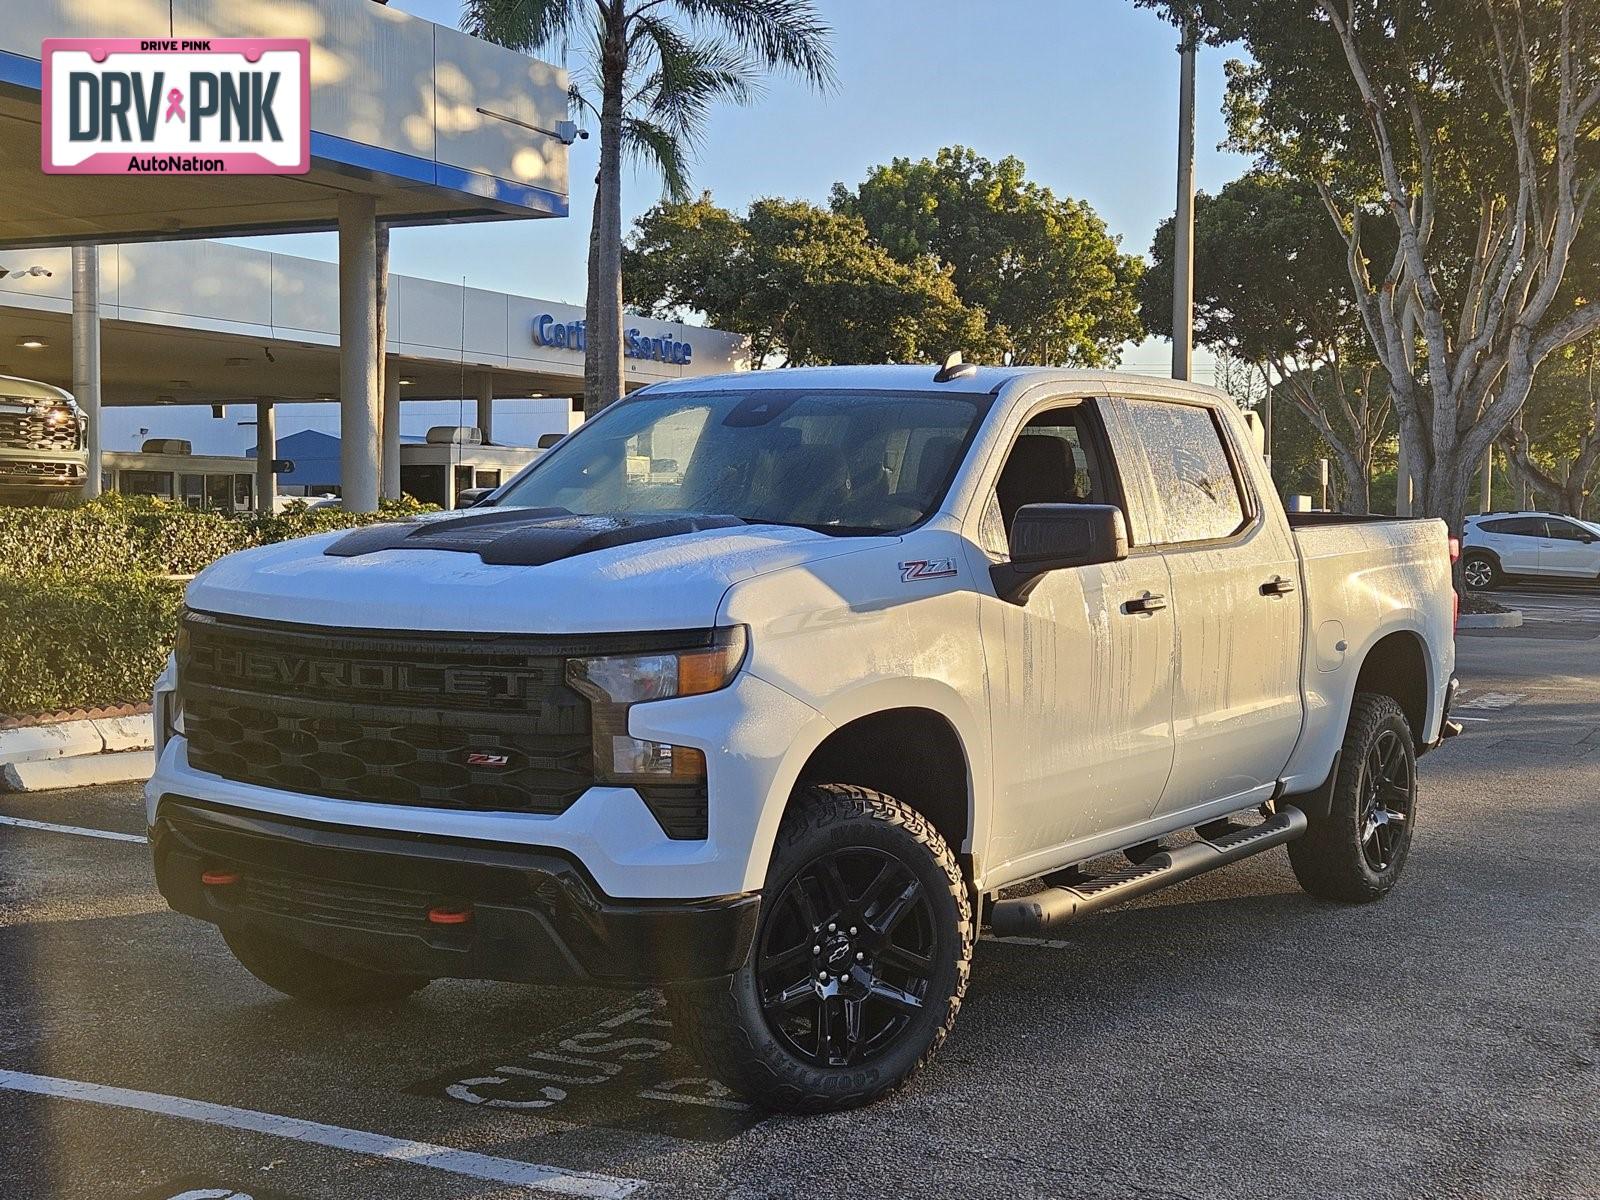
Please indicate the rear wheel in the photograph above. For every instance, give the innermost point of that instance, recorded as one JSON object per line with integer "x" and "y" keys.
{"x": 1357, "y": 851}
{"x": 312, "y": 977}
{"x": 1480, "y": 572}
{"x": 859, "y": 964}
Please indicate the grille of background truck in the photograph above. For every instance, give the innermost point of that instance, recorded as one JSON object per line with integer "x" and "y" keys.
{"x": 395, "y": 718}
{"x": 31, "y": 431}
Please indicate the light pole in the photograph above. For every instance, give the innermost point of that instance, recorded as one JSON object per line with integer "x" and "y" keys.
{"x": 1183, "y": 223}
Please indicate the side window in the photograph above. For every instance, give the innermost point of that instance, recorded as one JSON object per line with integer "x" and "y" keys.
{"x": 1196, "y": 493}
{"x": 1567, "y": 531}
{"x": 1053, "y": 461}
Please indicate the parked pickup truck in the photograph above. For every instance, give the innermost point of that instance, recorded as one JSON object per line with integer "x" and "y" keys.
{"x": 42, "y": 454}
{"x": 866, "y": 659}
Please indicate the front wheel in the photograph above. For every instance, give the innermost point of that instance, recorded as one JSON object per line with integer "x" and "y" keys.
{"x": 859, "y": 964}
{"x": 1357, "y": 850}
{"x": 1480, "y": 572}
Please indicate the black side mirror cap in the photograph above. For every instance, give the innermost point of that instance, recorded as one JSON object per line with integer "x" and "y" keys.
{"x": 1050, "y": 537}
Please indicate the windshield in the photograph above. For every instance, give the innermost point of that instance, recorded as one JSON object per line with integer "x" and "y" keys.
{"x": 839, "y": 461}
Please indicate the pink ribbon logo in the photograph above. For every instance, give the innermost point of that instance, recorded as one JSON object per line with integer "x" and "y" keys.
{"x": 174, "y": 106}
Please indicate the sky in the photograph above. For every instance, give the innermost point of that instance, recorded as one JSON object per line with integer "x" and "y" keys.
{"x": 1083, "y": 91}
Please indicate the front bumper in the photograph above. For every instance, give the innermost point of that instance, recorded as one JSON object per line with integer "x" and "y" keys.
{"x": 363, "y": 896}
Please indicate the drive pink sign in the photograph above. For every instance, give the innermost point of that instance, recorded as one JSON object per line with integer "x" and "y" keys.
{"x": 165, "y": 106}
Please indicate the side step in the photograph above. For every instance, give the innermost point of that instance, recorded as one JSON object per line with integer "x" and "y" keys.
{"x": 1030, "y": 916}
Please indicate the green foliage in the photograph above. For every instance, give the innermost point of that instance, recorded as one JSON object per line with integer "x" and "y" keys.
{"x": 115, "y": 535}
{"x": 86, "y": 614}
{"x": 805, "y": 284}
{"x": 81, "y": 641}
{"x": 1044, "y": 267}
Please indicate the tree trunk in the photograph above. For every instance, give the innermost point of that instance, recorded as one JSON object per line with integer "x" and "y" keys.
{"x": 603, "y": 358}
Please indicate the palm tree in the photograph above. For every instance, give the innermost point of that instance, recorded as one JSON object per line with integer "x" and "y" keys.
{"x": 656, "y": 66}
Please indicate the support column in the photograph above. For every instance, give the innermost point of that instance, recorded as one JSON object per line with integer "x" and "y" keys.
{"x": 358, "y": 353}
{"x": 486, "y": 406}
{"x": 391, "y": 430}
{"x": 266, "y": 451}
{"x": 1183, "y": 225}
{"x": 86, "y": 354}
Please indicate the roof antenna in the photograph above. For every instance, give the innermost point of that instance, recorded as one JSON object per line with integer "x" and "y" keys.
{"x": 954, "y": 368}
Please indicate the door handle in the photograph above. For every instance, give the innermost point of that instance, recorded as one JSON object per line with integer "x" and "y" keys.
{"x": 1277, "y": 586}
{"x": 1148, "y": 603}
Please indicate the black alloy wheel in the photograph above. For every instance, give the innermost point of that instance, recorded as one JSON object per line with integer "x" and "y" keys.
{"x": 846, "y": 957}
{"x": 1388, "y": 788}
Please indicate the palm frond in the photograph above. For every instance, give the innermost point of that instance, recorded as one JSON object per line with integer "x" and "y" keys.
{"x": 686, "y": 77}
{"x": 780, "y": 33}
{"x": 525, "y": 25}
{"x": 649, "y": 142}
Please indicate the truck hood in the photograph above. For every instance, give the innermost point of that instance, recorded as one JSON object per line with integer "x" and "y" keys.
{"x": 371, "y": 579}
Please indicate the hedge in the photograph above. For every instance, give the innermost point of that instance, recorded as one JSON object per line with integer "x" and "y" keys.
{"x": 82, "y": 641}
{"x": 87, "y": 615}
{"x": 113, "y": 534}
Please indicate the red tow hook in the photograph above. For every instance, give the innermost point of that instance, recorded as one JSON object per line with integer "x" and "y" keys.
{"x": 219, "y": 878}
{"x": 450, "y": 914}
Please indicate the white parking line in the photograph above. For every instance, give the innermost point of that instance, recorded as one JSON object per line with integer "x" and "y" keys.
{"x": 23, "y": 823}
{"x": 421, "y": 1154}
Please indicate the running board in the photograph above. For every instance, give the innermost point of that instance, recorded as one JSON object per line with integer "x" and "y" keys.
{"x": 1030, "y": 916}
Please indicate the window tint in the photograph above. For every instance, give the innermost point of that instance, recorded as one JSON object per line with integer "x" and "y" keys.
{"x": 1567, "y": 531}
{"x": 1516, "y": 526}
{"x": 1196, "y": 495}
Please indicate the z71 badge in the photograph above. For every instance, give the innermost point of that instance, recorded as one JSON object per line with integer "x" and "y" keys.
{"x": 927, "y": 568}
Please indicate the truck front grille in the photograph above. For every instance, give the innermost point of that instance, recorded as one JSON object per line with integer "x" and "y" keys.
{"x": 483, "y": 722}
{"x": 43, "y": 472}
{"x": 35, "y": 431}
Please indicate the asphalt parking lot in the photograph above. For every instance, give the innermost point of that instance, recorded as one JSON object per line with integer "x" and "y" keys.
{"x": 1228, "y": 1037}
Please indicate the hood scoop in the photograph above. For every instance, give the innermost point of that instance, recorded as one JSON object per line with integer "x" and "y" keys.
{"x": 524, "y": 537}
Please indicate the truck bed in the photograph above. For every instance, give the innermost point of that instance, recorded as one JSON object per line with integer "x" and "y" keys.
{"x": 1367, "y": 578}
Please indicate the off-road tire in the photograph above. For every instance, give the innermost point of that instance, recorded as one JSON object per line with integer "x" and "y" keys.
{"x": 722, "y": 1021}
{"x": 315, "y": 978}
{"x": 1494, "y": 577}
{"x": 1328, "y": 859}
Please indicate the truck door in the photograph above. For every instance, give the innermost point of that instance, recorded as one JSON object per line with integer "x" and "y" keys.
{"x": 1082, "y": 682}
{"x": 1237, "y": 707}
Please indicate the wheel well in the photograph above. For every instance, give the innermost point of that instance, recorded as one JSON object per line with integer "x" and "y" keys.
{"x": 1397, "y": 666}
{"x": 912, "y": 754}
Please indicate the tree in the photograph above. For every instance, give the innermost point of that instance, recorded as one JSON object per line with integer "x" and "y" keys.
{"x": 1271, "y": 289}
{"x": 1044, "y": 268}
{"x": 655, "y": 67}
{"x": 806, "y": 285}
{"x": 1470, "y": 130}
{"x": 1553, "y": 443}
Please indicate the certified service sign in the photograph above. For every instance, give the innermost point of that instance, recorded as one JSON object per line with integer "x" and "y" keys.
{"x": 209, "y": 106}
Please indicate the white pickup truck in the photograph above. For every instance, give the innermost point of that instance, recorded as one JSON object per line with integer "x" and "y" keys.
{"x": 771, "y": 689}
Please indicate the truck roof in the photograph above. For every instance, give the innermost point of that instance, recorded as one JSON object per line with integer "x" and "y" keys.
{"x": 919, "y": 377}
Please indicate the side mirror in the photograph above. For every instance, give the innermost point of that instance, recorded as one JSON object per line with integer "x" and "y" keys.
{"x": 472, "y": 497}
{"x": 1048, "y": 537}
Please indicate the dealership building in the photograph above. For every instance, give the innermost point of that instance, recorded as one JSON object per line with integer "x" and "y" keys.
{"x": 409, "y": 124}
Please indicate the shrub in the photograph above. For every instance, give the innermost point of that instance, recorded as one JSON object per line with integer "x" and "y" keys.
{"x": 86, "y": 615}
{"x": 76, "y": 641}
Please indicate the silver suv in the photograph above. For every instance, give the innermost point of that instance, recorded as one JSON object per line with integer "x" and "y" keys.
{"x": 1535, "y": 545}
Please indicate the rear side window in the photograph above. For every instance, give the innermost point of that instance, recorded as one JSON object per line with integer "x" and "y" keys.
{"x": 1197, "y": 494}
{"x": 1515, "y": 526}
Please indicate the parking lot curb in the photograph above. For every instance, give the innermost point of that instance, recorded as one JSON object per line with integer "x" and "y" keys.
{"x": 73, "y": 739}
{"x": 1510, "y": 619}
{"x": 40, "y": 775}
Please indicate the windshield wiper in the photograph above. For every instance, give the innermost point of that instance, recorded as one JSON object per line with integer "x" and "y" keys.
{"x": 818, "y": 527}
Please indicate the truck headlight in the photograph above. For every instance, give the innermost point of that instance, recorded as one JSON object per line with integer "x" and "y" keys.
{"x": 615, "y": 683}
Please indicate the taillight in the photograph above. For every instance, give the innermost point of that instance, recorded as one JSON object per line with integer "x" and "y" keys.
{"x": 1455, "y": 549}
{"x": 1455, "y": 596}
